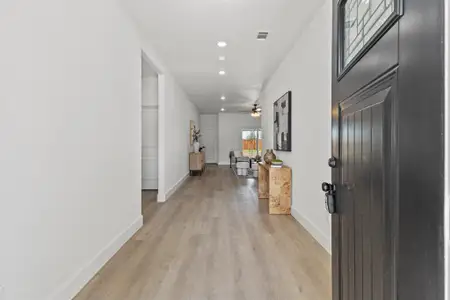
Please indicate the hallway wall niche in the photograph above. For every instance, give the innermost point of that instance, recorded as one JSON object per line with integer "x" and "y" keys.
{"x": 149, "y": 130}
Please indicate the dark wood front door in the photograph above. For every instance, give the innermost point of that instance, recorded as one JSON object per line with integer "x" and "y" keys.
{"x": 388, "y": 107}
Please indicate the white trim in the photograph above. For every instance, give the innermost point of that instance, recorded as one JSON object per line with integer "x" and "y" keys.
{"x": 74, "y": 285}
{"x": 224, "y": 163}
{"x": 161, "y": 197}
{"x": 319, "y": 236}
{"x": 161, "y": 138}
{"x": 149, "y": 56}
{"x": 177, "y": 185}
{"x": 150, "y": 106}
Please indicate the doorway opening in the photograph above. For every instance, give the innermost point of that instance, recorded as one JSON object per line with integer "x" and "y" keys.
{"x": 149, "y": 135}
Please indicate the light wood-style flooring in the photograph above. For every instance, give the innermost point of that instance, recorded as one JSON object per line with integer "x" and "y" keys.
{"x": 213, "y": 240}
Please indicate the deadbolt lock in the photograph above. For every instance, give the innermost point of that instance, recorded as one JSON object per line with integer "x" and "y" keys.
{"x": 332, "y": 162}
{"x": 330, "y": 199}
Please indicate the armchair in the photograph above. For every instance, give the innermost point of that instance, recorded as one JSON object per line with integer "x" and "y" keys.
{"x": 237, "y": 156}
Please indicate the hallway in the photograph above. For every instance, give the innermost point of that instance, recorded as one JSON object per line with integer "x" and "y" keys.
{"x": 214, "y": 240}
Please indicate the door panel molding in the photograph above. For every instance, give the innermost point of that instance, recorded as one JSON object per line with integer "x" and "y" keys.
{"x": 366, "y": 224}
{"x": 385, "y": 81}
{"x": 383, "y": 58}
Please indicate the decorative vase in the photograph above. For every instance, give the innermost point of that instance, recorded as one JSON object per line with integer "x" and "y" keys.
{"x": 196, "y": 147}
{"x": 269, "y": 156}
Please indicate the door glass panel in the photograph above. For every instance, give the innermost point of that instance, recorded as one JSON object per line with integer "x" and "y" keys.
{"x": 362, "y": 19}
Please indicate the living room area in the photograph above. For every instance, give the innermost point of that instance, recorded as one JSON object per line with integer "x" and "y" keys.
{"x": 234, "y": 140}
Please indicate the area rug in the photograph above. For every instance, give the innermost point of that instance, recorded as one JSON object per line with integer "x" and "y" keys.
{"x": 249, "y": 173}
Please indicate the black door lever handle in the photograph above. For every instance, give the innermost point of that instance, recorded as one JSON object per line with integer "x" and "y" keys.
{"x": 327, "y": 187}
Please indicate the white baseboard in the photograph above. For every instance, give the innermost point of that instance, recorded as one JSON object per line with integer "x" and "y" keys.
{"x": 318, "y": 235}
{"x": 74, "y": 285}
{"x": 177, "y": 185}
{"x": 161, "y": 198}
{"x": 226, "y": 163}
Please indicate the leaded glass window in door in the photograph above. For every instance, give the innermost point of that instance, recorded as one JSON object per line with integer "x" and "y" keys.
{"x": 362, "y": 20}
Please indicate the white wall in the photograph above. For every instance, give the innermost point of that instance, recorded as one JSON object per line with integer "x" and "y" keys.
{"x": 70, "y": 105}
{"x": 70, "y": 132}
{"x": 179, "y": 110}
{"x": 209, "y": 126}
{"x": 230, "y": 132}
{"x": 306, "y": 71}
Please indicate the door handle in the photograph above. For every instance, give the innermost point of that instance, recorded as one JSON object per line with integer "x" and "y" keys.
{"x": 330, "y": 197}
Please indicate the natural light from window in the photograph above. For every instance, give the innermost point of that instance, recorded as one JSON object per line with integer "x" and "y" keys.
{"x": 251, "y": 142}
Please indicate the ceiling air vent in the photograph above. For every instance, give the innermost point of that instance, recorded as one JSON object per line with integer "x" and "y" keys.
{"x": 262, "y": 36}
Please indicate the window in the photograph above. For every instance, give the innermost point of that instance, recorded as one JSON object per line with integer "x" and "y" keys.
{"x": 251, "y": 142}
{"x": 363, "y": 22}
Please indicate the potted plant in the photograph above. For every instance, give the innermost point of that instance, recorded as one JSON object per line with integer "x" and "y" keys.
{"x": 277, "y": 163}
{"x": 196, "y": 137}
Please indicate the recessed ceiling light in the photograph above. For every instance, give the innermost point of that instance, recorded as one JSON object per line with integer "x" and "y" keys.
{"x": 222, "y": 44}
{"x": 223, "y": 109}
{"x": 223, "y": 98}
{"x": 222, "y": 72}
{"x": 222, "y": 58}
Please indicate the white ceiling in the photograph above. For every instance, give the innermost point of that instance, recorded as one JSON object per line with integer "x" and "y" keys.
{"x": 185, "y": 34}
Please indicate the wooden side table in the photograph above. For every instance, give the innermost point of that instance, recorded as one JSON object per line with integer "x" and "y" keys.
{"x": 275, "y": 184}
{"x": 196, "y": 162}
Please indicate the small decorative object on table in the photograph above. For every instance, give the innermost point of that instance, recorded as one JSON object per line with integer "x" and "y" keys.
{"x": 277, "y": 163}
{"x": 195, "y": 137}
{"x": 269, "y": 156}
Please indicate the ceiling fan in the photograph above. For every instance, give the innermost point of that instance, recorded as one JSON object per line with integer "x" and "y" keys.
{"x": 256, "y": 111}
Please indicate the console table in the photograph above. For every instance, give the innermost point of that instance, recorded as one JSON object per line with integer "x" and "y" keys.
{"x": 196, "y": 162}
{"x": 275, "y": 184}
